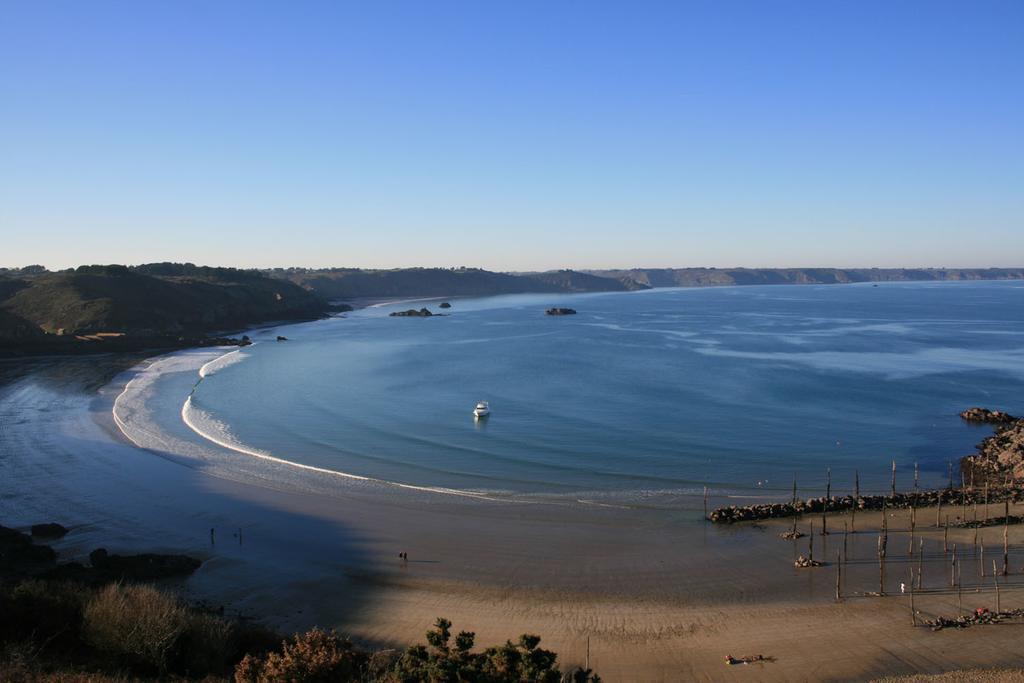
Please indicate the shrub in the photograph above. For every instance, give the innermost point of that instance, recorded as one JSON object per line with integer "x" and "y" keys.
{"x": 207, "y": 645}
{"x": 137, "y": 623}
{"x": 45, "y": 612}
{"x": 508, "y": 663}
{"x": 312, "y": 657}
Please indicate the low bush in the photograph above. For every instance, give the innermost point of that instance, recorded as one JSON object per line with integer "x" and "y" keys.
{"x": 136, "y": 623}
{"x": 47, "y": 613}
{"x": 312, "y": 657}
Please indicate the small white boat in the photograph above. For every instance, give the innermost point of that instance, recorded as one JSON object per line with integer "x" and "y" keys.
{"x": 482, "y": 409}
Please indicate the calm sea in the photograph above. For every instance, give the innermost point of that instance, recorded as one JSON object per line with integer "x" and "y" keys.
{"x": 640, "y": 395}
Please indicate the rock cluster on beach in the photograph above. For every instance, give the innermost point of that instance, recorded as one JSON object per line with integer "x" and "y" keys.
{"x": 560, "y": 311}
{"x": 805, "y": 562}
{"x": 20, "y": 557}
{"x": 1001, "y": 455}
{"x": 978, "y": 616}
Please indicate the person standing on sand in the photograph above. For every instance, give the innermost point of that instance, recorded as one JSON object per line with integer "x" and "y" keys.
{"x": 211, "y": 536}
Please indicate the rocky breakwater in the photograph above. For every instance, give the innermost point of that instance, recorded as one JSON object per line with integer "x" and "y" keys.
{"x": 950, "y": 496}
{"x": 1001, "y": 456}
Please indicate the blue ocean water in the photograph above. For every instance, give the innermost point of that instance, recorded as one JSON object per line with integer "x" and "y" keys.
{"x": 640, "y": 394}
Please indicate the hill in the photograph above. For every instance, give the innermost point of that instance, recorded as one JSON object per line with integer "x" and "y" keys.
{"x": 353, "y": 283}
{"x": 151, "y": 300}
{"x": 710, "y": 277}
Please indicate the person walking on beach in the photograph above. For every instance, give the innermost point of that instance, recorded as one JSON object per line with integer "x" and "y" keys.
{"x": 211, "y": 536}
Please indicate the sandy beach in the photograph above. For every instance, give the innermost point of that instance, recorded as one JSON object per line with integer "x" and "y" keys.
{"x": 657, "y": 596}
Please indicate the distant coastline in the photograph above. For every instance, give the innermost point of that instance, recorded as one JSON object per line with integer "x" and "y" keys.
{"x": 114, "y": 308}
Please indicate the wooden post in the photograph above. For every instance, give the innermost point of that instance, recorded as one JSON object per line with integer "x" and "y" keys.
{"x": 839, "y": 577}
{"x": 705, "y": 503}
{"x": 995, "y": 580}
{"x": 949, "y": 466}
{"x": 1006, "y": 540}
{"x": 983, "y": 556}
{"x": 913, "y": 523}
{"x": 945, "y": 536}
{"x": 893, "y": 478}
{"x": 916, "y": 476}
{"x": 881, "y": 567}
{"x": 952, "y": 569}
{"x": 938, "y": 512}
{"x": 986, "y": 500}
{"x": 963, "y": 496}
{"x": 810, "y": 547}
{"x": 885, "y": 523}
{"x": 828, "y": 485}
{"x": 856, "y": 483}
{"x": 845, "y": 554}
{"x": 920, "y": 560}
{"x": 913, "y": 612}
{"x": 959, "y": 598}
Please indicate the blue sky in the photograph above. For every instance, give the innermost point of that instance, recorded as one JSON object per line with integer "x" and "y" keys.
{"x": 526, "y": 135}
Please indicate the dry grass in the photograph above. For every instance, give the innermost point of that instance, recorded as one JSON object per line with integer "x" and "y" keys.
{"x": 138, "y": 623}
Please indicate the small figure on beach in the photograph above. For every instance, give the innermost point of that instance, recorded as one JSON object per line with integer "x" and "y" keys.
{"x": 404, "y": 556}
{"x": 903, "y": 587}
{"x": 211, "y": 536}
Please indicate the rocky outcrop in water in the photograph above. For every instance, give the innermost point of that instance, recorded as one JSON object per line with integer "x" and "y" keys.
{"x": 560, "y": 311}
{"x": 987, "y": 416}
{"x": 412, "y": 313}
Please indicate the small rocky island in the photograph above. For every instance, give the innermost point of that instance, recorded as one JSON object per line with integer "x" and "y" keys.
{"x": 445, "y": 304}
{"x": 561, "y": 311}
{"x": 412, "y": 313}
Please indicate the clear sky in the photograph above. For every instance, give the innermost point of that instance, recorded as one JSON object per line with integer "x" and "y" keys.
{"x": 512, "y": 136}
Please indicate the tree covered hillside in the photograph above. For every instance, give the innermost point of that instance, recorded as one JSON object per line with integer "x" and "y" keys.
{"x": 151, "y": 299}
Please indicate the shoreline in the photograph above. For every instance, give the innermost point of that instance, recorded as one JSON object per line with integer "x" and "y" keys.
{"x": 613, "y": 576}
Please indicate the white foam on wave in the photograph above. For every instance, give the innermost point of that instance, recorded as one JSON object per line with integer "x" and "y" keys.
{"x": 221, "y": 362}
{"x": 133, "y": 416}
{"x": 215, "y": 431}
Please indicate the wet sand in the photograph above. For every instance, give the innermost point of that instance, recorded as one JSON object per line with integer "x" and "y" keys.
{"x": 660, "y": 595}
